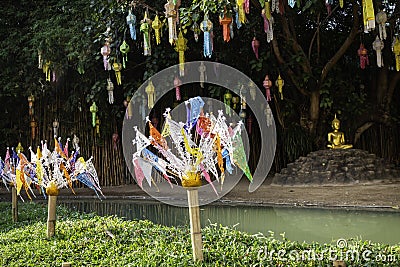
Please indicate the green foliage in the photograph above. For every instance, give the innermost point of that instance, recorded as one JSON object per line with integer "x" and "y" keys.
{"x": 90, "y": 240}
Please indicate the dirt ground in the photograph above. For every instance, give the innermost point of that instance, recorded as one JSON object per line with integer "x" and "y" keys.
{"x": 379, "y": 195}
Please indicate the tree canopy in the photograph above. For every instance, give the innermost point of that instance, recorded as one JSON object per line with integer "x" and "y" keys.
{"x": 312, "y": 46}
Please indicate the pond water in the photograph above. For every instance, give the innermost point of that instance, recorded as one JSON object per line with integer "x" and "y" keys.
{"x": 300, "y": 224}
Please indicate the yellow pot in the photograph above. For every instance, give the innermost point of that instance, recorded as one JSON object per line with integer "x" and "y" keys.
{"x": 52, "y": 189}
{"x": 192, "y": 179}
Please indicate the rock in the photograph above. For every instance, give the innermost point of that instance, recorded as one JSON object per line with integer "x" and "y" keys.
{"x": 343, "y": 166}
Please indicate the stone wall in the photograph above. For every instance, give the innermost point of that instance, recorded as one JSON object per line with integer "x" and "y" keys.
{"x": 336, "y": 166}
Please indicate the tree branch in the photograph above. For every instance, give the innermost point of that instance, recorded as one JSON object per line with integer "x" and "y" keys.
{"x": 349, "y": 40}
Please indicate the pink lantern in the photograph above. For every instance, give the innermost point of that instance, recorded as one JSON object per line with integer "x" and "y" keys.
{"x": 105, "y": 51}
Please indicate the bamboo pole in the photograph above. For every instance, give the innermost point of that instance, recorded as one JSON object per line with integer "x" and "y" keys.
{"x": 14, "y": 202}
{"x": 195, "y": 228}
{"x": 51, "y": 216}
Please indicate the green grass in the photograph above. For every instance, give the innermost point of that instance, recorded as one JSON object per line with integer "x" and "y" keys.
{"x": 91, "y": 240}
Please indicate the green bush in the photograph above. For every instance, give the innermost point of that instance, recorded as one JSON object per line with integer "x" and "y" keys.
{"x": 91, "y": 240}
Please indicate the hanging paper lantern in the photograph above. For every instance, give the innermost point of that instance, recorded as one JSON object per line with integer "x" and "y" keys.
{"x": 40, "y": 60}
{"x": 268, "y": 22}
{"x": 242, "y": 113}
{"x": 291, "y": 3}
{"x": 124, "y": 48}
{"x": 117, "y": 67}
{"x": 381, "y": 19}
{"x": 368, "y": 15}
{"x": 280, "y": 83}
{"x": 196, "y": 31}
{"x": 157, "y": 25}
{"x": 47, "y": 71}
{"x": 363, "y": 54}
{"x": 110, "y": 90}
{"x": 131, "y": 21}
{"x": 253, "y": 90}
{"x": 115, "y": 138}
{"x": 150, "y": 90}
{"x": 269, "y": 116}
{"x": 31, "y": 100}
{"x": 255, "y": 44}
{"x": 19, "y": 148}
{"x": 247, "y": 6}
{"x": 267, "y": 85}
{"x": 378, "y": 45}
{"x": 170, "y": 13}
{"x": 241, "y": 12}
{"x": 97, "y": 125}
{"x": 225, "y": 22}
{"x": 33, "y": 125}
{"x": 93, "y": 109}
{"x": 145, "y": 29}
{"x": 207, "y": 26}
{"x": 177, "y": 84}
{"x": 105, "y": 51}
{"x": 202, "y": 70}
{"x": 227, "y": 102}
{"x": 396, "y": 51}
{"x": 55, "y": 127}
{"x": 235, "y": 101}
{"x": 181, "y": 48}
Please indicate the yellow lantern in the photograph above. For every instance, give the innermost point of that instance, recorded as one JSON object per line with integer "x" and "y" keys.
{"x": 181, "y": 48}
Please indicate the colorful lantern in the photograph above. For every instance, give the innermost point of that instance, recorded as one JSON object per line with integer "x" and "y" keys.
{"x": 381, "y": 19}
{"x": 171, "y": 14}
{"x": 255, "y": 44}
{"x": 19, "y": 148}
{"x": 363, "y": 54}
{"x": 247, "y": 6}
{"x": 181, "y": 48}
{"x": 145, "y": 29}
{"x": 280, "y": 83}
{"x": 31, "y": 100}
{"x": 117, "y": 67}
{"x": 93, "y": 109}
{"x": 225, "y": 22}
{"x": 368, "y": 15}
{"x": 97, "y": 125}
{"x": 46, "y": 70}
{"x": 105, "y": 51}
{"x": 56, "y": 124}
{"x": 241, "y": 12}
{"x": 115, "y": 138}
{"x": 157, "y": 25}
{"x": 202, "y": 70}
{"x": 253, "y": 91}
{"x": 267, "y": 85}
{"x": 131, "y": 21}
{"x": 396, "y": 51}
{"x": 195, "y": 27}
{"x": 110, "y": 90}
{"x": 269, "y": 116}
{"x": 151, "y": 95}
{"x": 177, "y": 84}
{"x": 268, "y": 21}
{"x": 227, "y": 102}
{"x": 40, "y": 60}
{"x": 33, "y": 125}
{"x": 378, "y": 45}
{"x": 124, "y": 48}
{"x": 235, "y": 101}
{"x": 207, "y": 26}
{"x": 291, "y": 3}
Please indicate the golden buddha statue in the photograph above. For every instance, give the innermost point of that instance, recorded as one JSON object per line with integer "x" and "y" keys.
{"x": 336, "y": 138}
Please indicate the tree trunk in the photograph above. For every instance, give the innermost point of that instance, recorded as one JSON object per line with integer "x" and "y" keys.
{"x": 314, "y": 111}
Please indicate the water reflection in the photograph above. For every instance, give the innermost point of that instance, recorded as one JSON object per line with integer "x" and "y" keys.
{"x": 301, "y": 224}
